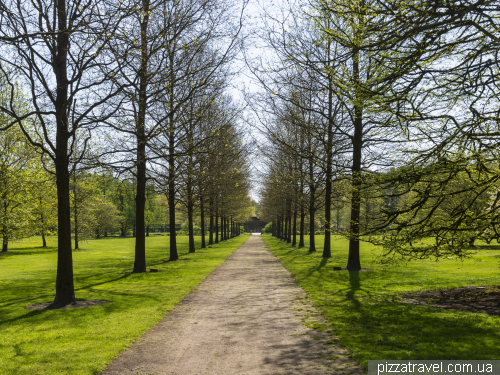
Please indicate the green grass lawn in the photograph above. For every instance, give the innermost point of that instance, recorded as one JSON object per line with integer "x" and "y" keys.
{"x": 85, "y": 340}
{"x": 367, "y": 315}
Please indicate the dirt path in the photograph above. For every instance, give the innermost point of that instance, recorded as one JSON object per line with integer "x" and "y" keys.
{"x": 244, "y": 318}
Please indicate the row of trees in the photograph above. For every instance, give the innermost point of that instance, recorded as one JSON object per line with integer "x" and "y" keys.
{"x": 136, "y": 85}
{"x": 393, "y": 104}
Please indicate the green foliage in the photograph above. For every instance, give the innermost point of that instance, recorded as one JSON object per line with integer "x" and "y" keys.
{"x": 185, "y": 229}
{"x": 365, "y": 309}
{"x": 268, "y": 228}
{"x": 40, "y": 342}
{"x": 99, "y": 216}
{"x": 22, "y": 180}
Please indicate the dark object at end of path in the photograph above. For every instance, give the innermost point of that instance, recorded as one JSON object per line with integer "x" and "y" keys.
{"x": 337, "y": 268}
{"x": 153, "y": 270}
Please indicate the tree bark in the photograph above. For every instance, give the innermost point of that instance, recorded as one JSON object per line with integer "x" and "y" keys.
{"x": 312, "y": 244}
{"x": 65, "y": 289}
{"x": 190, "y": 222}
{"x": 285, "y": 236}
{"x": 202, "y": 224}
{"x": 327, "y": 251}
{"x": 354, "y": 263}
{"x": 216, "y": 227}
{"x": 140, "y": 198}
{"x": 302, "y": 225}
{"x": 5, "y": 239}
{"x": 211, "y": 225}
{"x": 289, "y": 216}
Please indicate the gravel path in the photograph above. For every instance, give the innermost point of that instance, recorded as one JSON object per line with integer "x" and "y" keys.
{"x": 244, "y": 318}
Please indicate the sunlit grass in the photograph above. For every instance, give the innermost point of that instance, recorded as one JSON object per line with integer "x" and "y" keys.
{"x": 84, "y": 340}
{"x": 365, "y": 309}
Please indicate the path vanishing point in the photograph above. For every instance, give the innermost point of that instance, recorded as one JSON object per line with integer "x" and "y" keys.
{"x": 246, "y": 317}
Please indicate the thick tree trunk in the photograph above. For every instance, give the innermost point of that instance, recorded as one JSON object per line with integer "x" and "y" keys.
{"x": 354, "y": 263}
{"x": 65, "y": 290}
{"x": 202, "y": 224}
{"x": 294, "y": 229}
{"x": 140, "y": 198}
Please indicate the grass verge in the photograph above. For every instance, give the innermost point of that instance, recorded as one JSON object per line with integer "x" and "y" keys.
{"x": 366, "y": 312}
{"x": 85, "y": 340}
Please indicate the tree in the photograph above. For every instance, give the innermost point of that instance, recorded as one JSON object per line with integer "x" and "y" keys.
{"x": 56, "y": 50}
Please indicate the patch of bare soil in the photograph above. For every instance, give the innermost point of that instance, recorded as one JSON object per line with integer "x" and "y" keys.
{"x": 475, "y": 299}
{"x": 76, "y": 305}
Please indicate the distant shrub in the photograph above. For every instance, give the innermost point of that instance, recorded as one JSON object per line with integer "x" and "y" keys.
{"x": 268, "y": 228}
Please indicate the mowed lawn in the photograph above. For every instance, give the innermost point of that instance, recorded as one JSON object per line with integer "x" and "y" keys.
{"x": 365, "y": 311}
{"x": 85, "y": 340}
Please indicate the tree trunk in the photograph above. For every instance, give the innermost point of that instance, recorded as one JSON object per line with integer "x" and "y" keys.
{"x": 5, "y": 239}
{"x": 354, "y": 263}
{"x": 190, "y": 222}
{"x": 294, "y": 230}
{"x": 202, "y": 224}
{"x": 223, "y": 228}
{"x": 285, "y": 234}
{"x": 211, "y": 225}
{"x": 302, "y": 226}
{"x": 140, "y": 199}
{"x": 312, "y": 244}
{"x": 44, "y": 241}
{"x": 216, "y": 227}
{"x": 75, "y": 208}
{"x": 171, "y": 212}
{"x": 65, "y": 289}
{"x": 327, "y": 251}
{"x": 289, "y": 236}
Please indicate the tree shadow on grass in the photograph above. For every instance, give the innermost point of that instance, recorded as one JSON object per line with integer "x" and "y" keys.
{"x": 29, "y": 250}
